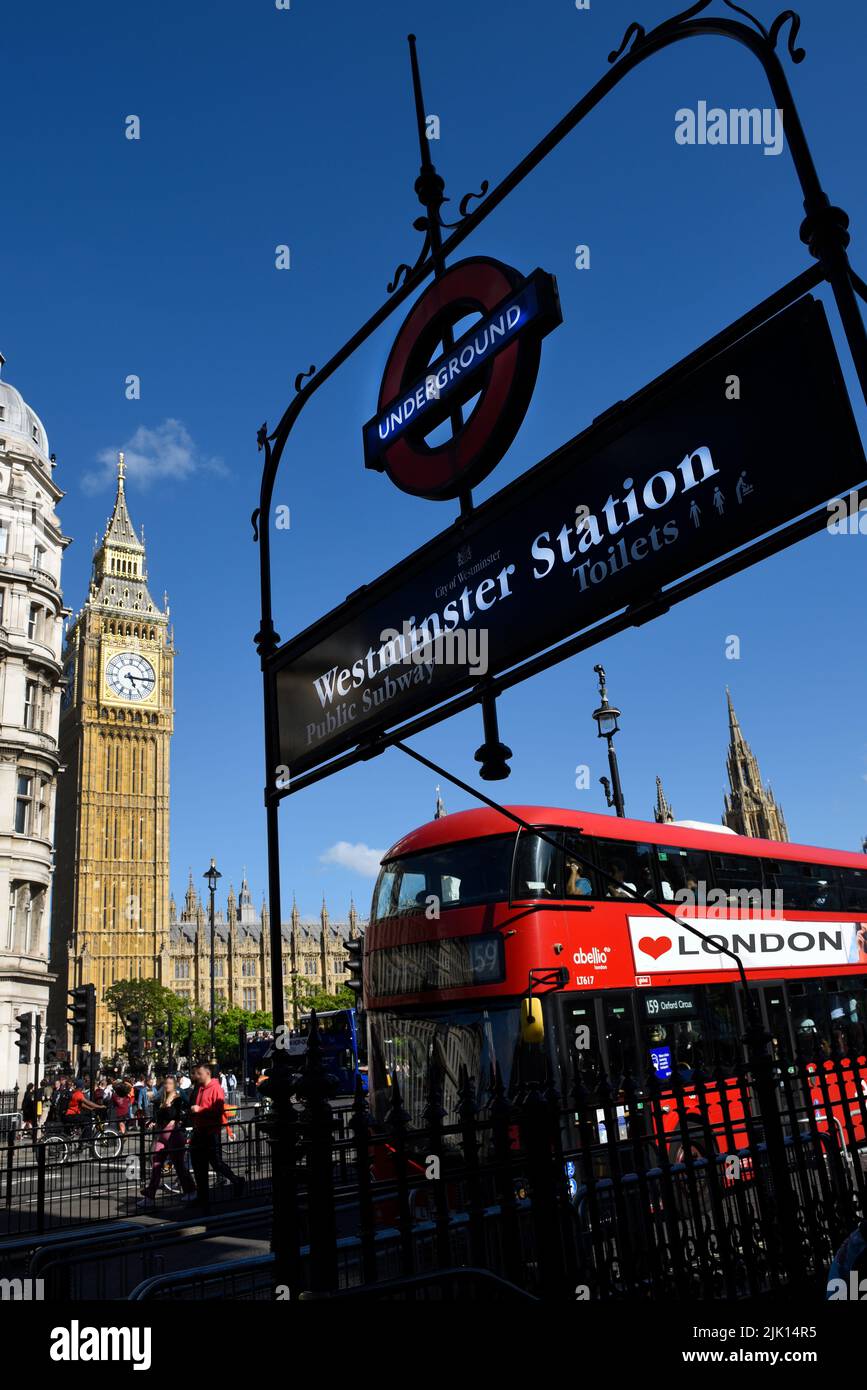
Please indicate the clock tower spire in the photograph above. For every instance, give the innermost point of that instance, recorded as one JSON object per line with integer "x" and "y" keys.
{"x": 111, "y": 898}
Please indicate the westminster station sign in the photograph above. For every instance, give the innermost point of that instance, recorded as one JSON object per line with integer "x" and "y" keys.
{"x": 696, "y": 467}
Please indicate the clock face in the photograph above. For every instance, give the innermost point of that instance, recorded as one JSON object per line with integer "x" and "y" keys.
{"x": 130, "y": 676}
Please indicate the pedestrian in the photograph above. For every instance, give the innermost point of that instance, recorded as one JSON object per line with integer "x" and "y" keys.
{"x": 232, "y": 1087}
{"x": 207, "y": 1113}
{"x": 144, "y": 1095}
{"x": 120, "y": 1105}
{"x": 184, "y": 1083}
{"x": 59, "y": 1100}
{"x": 170, "y": 1140}
{"x": 28, "y": 1110}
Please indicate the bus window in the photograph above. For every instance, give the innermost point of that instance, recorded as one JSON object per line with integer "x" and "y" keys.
{"x": 412, "y": 1050}
{"x": 683, "y": 871}
{"x": 778, "y": 1022}
{"x": 807, "y": 886}
{"x": 476, "y": 871}
{"x": 847, "y": 1001}
{"x": 808, "y": 1006}
{"x": 579, "y": 1048}
{"x": 625, "y": 867}
{"x": 579, "y": 880}
{"x": 853, "y": 883}
{"x": 413, "y": 890}
{"x": 674, "y": 1047}
{"x": 739, "y": 875}
{"x": 670, "y": 1030}
{"x": 620, "y": 1037}
{"x": 723, "y": 1031}
{"x": 537, "y": 868}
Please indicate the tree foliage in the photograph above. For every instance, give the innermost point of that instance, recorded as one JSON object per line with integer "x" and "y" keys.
{"x": 153, "y": 1002}
{"x": 157, "y": 1006}
{"x": 314, "y": 997}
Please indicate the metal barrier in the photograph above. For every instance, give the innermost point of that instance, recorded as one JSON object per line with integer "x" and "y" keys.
{"x": 16, "y": 1254}
{"x": 739, "y": 1185}
{"x": 460, "y": 1284}
{"x": 10, "y": 1121}
{"x": 107, "y": 1264}
{"x": 49, "y": 1183}
{"x": 236, "y": 1280}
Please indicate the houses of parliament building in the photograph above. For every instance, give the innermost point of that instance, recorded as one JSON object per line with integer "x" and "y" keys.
{"x": 312, "y": 953}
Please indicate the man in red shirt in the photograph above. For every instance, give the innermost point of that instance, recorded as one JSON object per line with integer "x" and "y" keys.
{"x": 79, "y": 1107}
{"x": 205, "y": 1147}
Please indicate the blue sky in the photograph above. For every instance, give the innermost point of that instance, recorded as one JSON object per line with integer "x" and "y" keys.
{"x": 262, "y": 127}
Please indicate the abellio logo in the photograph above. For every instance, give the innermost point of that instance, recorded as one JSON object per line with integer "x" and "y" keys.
{"x": 594, "y": 956}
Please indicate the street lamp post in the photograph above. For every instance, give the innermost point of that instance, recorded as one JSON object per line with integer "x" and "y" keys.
{"x": 606, "y": 717}
{"x": 294, "y": 974}
{"x": 212, "y": 875}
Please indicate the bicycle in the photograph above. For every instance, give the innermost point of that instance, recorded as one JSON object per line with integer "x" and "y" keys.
{"x": 104, "y": 1142}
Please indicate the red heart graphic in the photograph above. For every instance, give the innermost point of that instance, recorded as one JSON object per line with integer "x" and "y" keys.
{"x": 655, "y": 946}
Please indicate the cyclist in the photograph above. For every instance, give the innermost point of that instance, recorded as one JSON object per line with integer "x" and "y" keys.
{"x": 78, "y": 1107}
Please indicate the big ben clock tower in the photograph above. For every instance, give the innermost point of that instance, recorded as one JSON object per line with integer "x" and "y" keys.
{"x": 111, "y": 887}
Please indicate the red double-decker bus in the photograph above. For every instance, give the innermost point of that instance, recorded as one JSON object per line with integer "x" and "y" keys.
{"x": 473, "y": 914}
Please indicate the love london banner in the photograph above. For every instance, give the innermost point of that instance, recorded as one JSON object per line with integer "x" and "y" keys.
{"x": 696, "y": 467}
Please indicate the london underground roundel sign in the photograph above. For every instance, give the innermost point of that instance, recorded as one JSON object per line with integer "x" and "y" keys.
{"x": 426, "y": 383}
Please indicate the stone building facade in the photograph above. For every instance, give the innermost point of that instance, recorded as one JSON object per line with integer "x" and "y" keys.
{"x": 31, "y": 633}
{"x": 312, "y": 953}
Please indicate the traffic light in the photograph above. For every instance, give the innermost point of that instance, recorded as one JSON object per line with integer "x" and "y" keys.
{"x": 133, "y": 1034}
{"x": 159, "y": 1036}
{"x": 83, "y": 1015}
{"x": 51, "y": 1057}
{"x": 354, "y": 950}
{"x": 24, "y": 1040}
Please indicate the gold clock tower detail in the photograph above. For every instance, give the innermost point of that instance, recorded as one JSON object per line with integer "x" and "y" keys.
{"x": 111, "y": 885}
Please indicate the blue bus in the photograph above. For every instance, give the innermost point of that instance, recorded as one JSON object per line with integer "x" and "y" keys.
{"x": 343, "y": 1050}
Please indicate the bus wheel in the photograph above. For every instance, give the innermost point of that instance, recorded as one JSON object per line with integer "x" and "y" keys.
{"x": 677, "y": 1149}
{"x": 685, "y": 1205}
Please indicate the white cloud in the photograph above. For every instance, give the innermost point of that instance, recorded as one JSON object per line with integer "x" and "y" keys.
{"x": 168, "y": 451}
{"x": 361, "y": 859}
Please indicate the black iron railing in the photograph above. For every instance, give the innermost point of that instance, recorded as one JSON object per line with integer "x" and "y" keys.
{"x": 72, "y": 1176}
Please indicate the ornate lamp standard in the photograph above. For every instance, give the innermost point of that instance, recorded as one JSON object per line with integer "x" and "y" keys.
{"x": 294, "y": 976}
{"x": 212, "y": 875}
{"x": 606, "y": 717}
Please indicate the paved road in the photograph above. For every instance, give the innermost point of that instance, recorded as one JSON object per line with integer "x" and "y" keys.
{"x": 83, "y": 1189}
